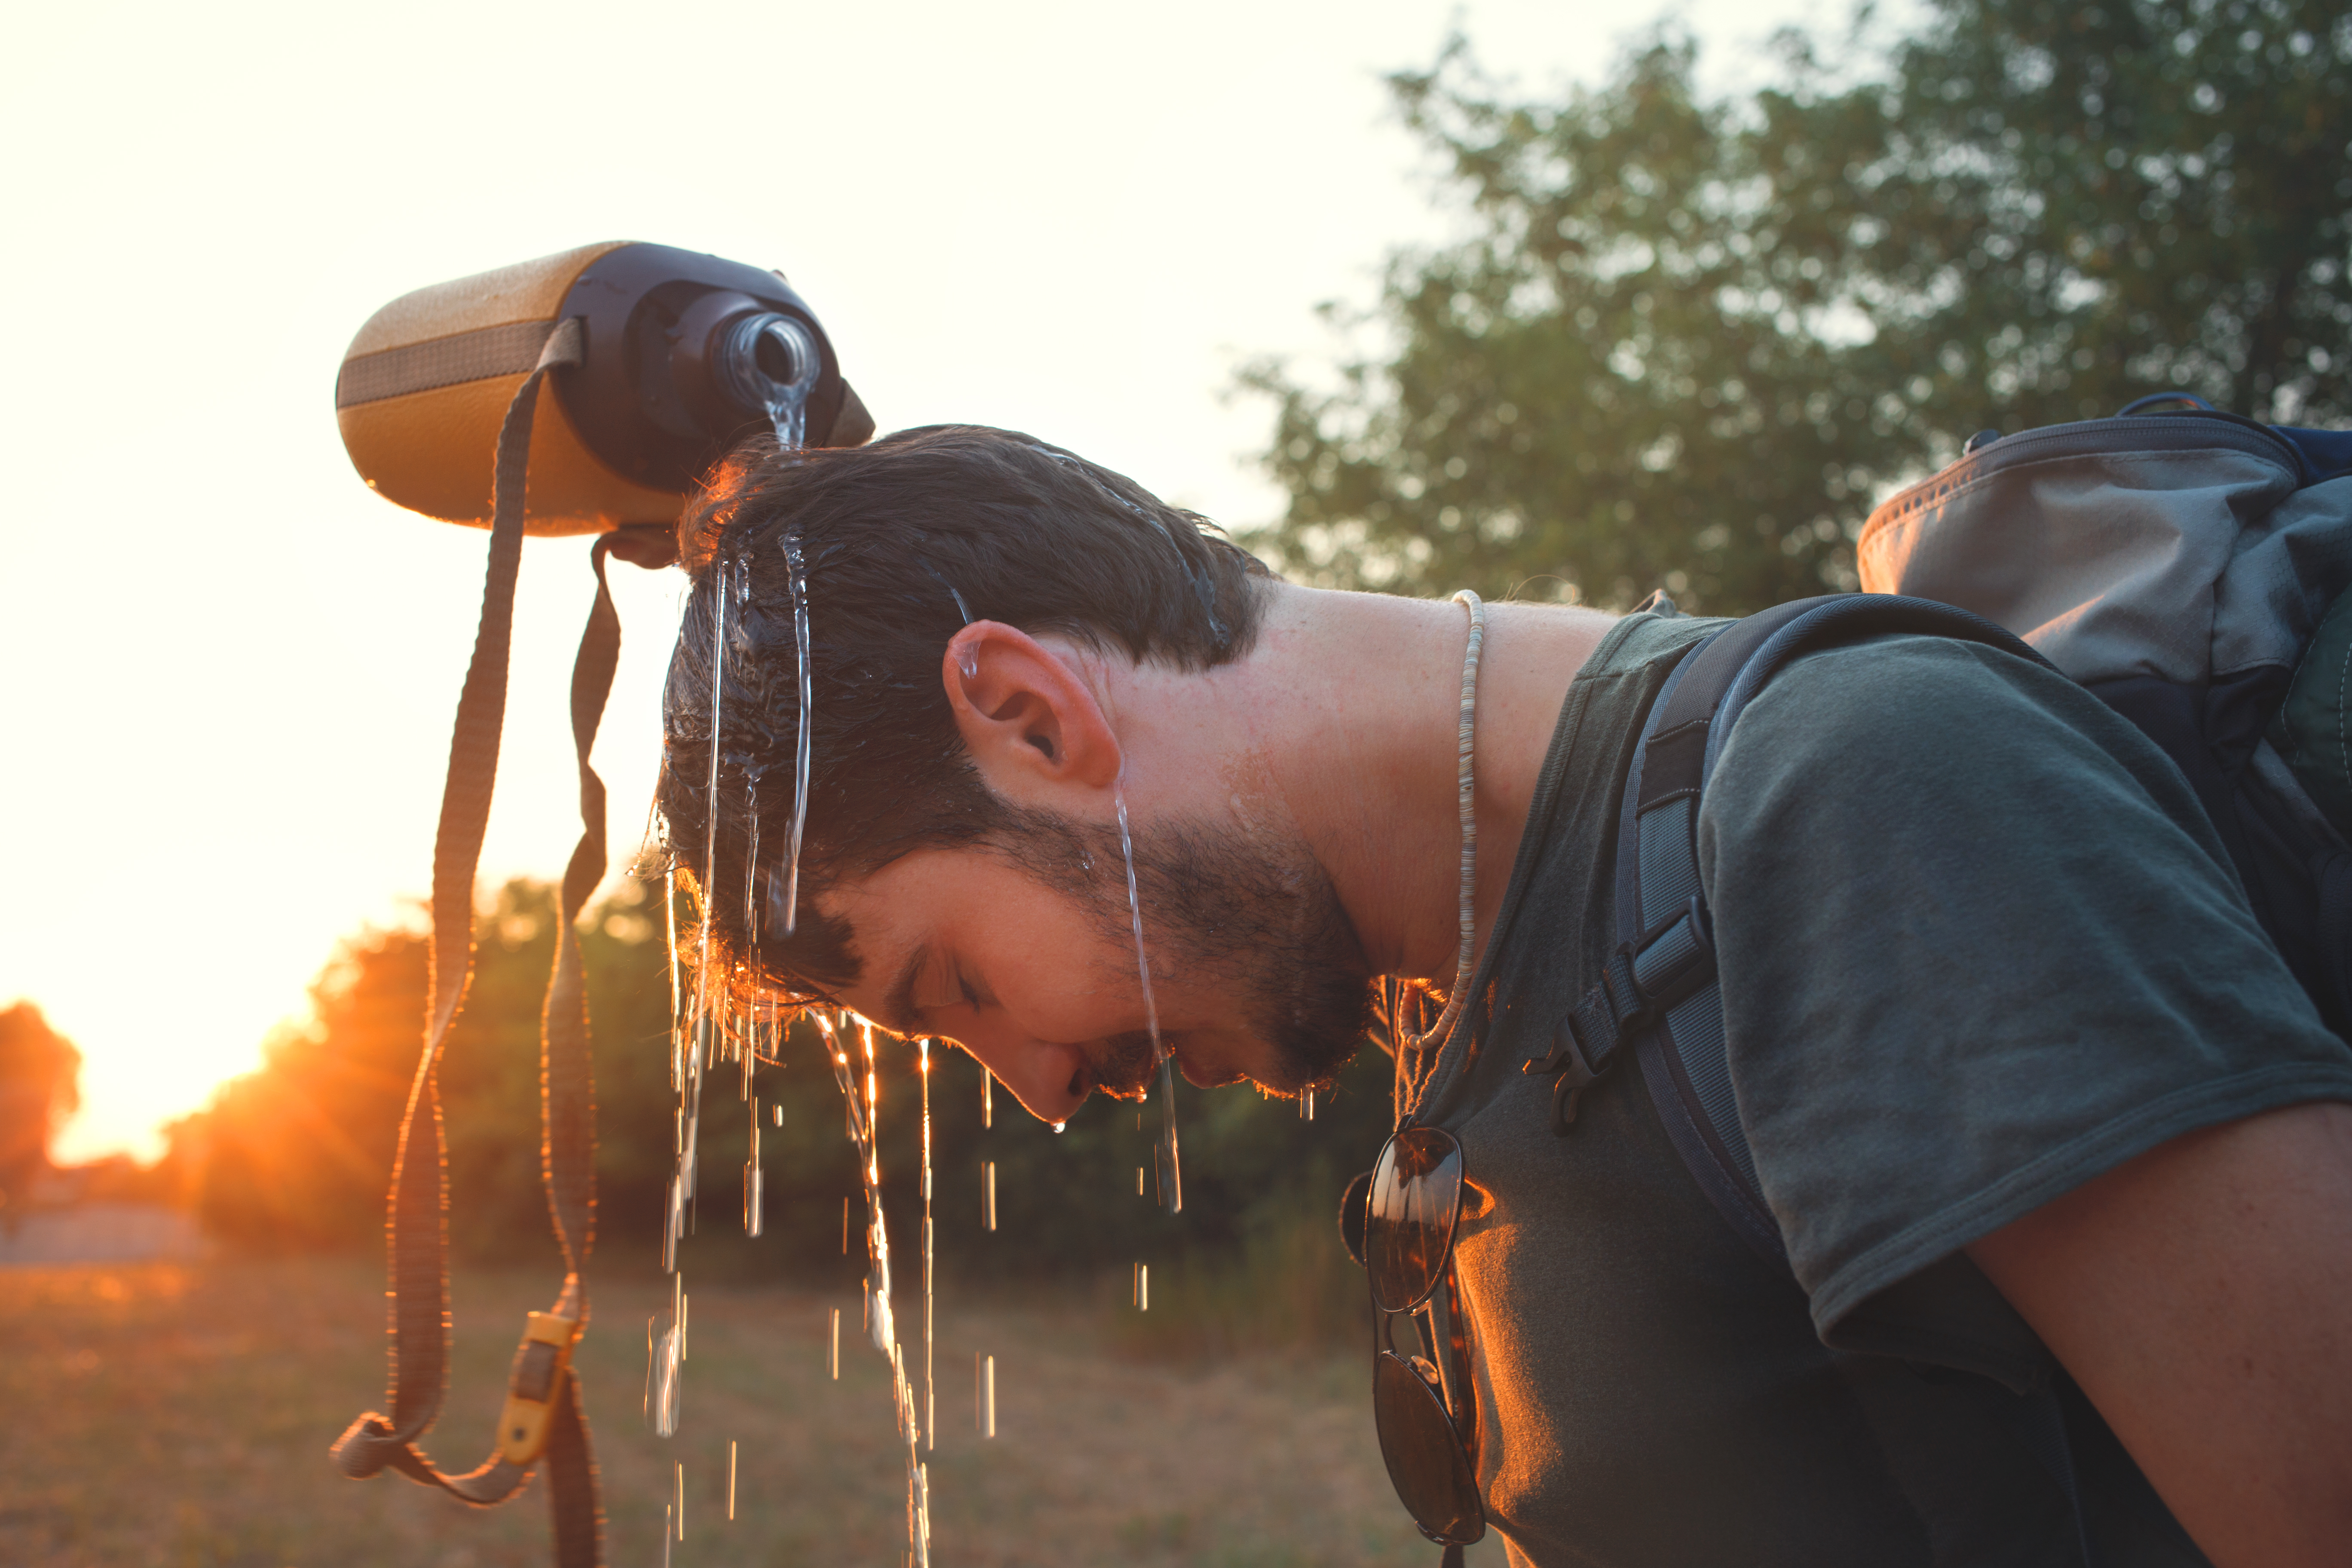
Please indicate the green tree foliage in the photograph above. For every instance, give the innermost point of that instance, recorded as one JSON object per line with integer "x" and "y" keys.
{"x": 296, "y": 1154}
{"x": 300, "y": 1152}
{"x": 40, "y": 1086}
{"x": 1687, "y": 340}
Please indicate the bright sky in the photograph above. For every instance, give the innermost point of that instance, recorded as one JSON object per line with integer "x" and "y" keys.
{"x": 230, "y": 670}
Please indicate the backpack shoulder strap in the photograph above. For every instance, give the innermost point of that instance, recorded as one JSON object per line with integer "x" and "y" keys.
{"x": 1658, "y": 992}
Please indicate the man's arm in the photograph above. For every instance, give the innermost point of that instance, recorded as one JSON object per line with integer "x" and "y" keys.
{"x": 2201, "y": 1294}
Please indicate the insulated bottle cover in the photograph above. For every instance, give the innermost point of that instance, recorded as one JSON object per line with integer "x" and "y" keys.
{"x": 683, "y": 356}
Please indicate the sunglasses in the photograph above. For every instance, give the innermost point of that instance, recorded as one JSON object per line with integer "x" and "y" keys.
{"x": 1411, "y": 1209}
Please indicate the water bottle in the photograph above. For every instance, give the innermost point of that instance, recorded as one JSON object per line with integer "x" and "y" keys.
{"x": 683, "y": 355}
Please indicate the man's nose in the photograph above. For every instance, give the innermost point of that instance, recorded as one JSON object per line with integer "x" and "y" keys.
{"x": 1039, "y": 1074}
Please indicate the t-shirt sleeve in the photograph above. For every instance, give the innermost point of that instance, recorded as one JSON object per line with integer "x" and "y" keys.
{"x": 1978, "y": 943}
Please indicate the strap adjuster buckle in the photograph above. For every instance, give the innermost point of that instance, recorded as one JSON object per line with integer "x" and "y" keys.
{"x": 540, "y": 1363}
{"x": 1575, "y": 1074}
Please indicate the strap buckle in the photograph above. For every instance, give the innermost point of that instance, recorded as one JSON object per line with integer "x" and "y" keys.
{"x": 1661, "y": 969}
{"x": 1645, "y": 979}
{"x": 534, "y": 1385}
{"x": 1576, "y": 1074}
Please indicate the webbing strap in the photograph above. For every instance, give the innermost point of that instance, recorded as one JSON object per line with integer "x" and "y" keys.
{"x": 418, "y": 1232}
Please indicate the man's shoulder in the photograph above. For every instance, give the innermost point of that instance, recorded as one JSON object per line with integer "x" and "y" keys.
{"x": 1915, "y": 724}
{"x": 1907, "y": 683}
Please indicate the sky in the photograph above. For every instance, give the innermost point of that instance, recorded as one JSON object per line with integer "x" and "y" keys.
{"x": 228, "y": 670}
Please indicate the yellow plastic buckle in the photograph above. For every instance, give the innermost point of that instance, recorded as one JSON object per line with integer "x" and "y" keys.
{"x": 541, "y": 1362}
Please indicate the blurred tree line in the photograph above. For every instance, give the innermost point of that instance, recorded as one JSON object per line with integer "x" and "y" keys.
{"x": 1683, "y": 342}
{"x": 40, "y": 1086}
{"x": 297, "y": 1154}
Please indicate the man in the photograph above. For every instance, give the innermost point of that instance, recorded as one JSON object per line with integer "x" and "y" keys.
{"x": 1997, "y": 1009}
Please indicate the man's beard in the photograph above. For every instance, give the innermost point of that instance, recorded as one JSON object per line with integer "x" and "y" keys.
{"x": 1257, "y": 915}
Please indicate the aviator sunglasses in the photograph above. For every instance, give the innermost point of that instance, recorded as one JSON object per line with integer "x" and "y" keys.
{"x": 1410, "y": 1210}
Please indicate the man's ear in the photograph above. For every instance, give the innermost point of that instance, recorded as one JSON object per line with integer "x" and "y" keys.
{"x": 1026, "y": 714}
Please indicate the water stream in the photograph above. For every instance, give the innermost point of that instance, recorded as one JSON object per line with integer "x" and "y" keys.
{"x": 1172, "y": 1177}
{"x": 712, "y": 1028}
{"x": 798, "y": 569}
{"x": 931, "y": 1395}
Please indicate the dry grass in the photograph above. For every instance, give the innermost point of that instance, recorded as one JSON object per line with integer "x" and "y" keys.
{"x": 178, "y": 1415}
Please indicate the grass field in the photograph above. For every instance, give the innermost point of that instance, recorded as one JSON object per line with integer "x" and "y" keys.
{"x": 177, "y": 1416}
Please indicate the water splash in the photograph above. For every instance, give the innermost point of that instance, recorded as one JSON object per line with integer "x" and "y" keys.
{"x": 670, "y": 917}
{"x": 665, "y": 1355}
{"x": 864, "y": 1104}
{"x": 797, "y": 568}
{"x": 788, "y": 415}
{"x": 880, "y": 1323}
{"x": 754, "y": 1182}
{"x": 1172, "y": 1177}
{"x": 930, "y": 1391}
{"x": 698, "y": 1044}
{"x": 746, "y": 1050}
{"x": 751, "y": 865}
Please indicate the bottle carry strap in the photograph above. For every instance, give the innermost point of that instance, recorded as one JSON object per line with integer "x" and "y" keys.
{"x": 542, "y": 1419}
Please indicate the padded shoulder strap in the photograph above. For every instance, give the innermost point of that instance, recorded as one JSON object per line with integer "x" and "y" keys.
{"x": 1658, "y": 990}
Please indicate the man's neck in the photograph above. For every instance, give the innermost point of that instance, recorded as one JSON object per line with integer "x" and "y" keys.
{"x": 1341, "y": 727}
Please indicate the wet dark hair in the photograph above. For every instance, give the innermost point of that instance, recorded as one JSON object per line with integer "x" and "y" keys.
{"x": 902, "y": 541}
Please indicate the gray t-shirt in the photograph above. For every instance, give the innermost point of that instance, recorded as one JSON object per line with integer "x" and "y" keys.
{"x": 1977, "y": 943}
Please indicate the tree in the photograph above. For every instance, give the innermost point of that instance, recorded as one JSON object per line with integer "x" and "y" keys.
{"x": 1687, "y": 340}
{"x": 41, "y": 1074}
{"x": 298, "y": 1155}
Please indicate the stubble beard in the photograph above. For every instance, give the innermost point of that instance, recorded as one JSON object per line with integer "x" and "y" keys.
{"x": 1249, "y": 915}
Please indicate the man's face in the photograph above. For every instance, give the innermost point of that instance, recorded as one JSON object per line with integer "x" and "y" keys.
{"x": 1025, "y": 954}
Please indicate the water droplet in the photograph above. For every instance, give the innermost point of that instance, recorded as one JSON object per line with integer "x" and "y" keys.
{"x": 661, "y": 1377}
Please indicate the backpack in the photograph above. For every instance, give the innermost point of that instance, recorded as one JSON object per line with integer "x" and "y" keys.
{"x": 2189, "y": 569}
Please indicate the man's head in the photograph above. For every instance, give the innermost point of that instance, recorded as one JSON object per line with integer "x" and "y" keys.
{"x": 962, "y": 871}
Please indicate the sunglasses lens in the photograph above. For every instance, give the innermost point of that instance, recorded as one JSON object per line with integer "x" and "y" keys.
{"x": 1415, "y": 1197}
{"x": 1431, "y": 1472}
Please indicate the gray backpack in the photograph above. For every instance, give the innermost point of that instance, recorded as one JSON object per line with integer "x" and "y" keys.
{"x": 2189, "y": 570}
